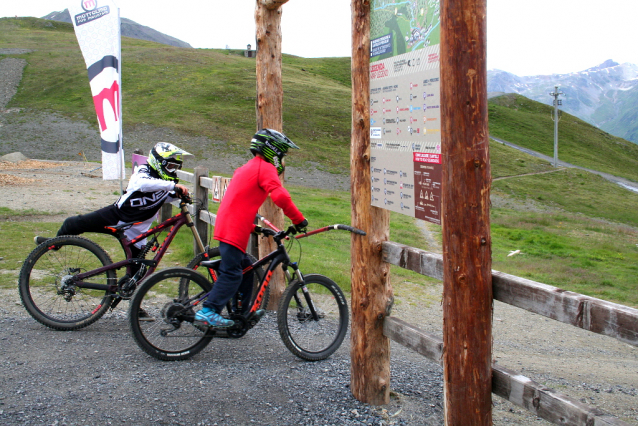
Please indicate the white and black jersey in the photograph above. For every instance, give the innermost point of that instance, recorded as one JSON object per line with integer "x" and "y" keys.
{"x": 145, "y": 194}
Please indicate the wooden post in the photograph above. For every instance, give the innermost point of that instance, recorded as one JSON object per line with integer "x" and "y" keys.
{"x": 270, "y": 96}
{"x": 371, "y": 290}
{"x": 467, "y": 280}
{"x": 166, "y": 211}
{"x": 200, "y": 194}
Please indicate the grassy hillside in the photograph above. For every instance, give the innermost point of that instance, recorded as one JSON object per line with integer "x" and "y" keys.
{"x": 196, "y": 91}
{"x": 528, "y": 123}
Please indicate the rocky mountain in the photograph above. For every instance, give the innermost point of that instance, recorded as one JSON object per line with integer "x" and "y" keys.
{"x": 605, "y": 96}
{"x": 129, "y": 29}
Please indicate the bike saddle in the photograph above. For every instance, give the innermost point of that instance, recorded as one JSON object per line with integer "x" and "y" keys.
{"x": 211, "y": 263}
{"x": 122, "y": 226}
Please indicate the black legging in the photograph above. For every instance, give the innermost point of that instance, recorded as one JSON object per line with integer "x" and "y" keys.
{"x": 96, "y": 221}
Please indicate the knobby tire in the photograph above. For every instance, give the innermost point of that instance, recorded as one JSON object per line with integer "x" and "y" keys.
{"x": 58, "y": 306}
{"x": 308, "y": 337}
{"x": 161, "y": 315}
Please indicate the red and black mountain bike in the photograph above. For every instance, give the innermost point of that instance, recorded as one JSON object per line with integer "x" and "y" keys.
{"x": 69, "y": 282}
{"x": 312, "y": 316}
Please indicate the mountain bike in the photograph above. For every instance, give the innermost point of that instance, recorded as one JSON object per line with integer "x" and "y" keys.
{"x": 312, "y": 316}
{"x": 69, "y": 282}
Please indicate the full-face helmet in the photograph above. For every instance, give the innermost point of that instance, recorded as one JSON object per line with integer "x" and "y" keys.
{"x": 273, "y": 145}
{"x": 166, "y": 159}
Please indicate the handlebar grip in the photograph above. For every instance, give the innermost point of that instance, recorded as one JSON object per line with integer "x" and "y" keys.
{"x": 351, "y": 229}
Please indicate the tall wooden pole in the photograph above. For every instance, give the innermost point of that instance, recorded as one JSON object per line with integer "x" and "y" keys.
{"x": 371, "y": 290}
{"x": 467, "y": 283}
{"x": 270, "y": 97}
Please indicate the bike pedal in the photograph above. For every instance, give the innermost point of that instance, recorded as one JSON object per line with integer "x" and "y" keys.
{"x": 115, "y": 302}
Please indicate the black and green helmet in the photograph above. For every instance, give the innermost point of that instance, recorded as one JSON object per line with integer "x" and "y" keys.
{"x": 273, "y": 145}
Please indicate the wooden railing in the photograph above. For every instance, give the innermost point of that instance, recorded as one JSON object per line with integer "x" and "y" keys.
{"x": 589, "y": 313}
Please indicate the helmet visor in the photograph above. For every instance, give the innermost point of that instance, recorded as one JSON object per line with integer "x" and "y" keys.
{"x": 172, "y": 167}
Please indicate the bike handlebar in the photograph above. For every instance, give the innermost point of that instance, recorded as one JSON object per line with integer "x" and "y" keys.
{"x": 291, "y": 230}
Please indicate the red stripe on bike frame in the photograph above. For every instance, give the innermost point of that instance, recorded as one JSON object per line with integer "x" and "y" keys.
{"x": 96, "y": 309}
{"x": 262, "y": 290}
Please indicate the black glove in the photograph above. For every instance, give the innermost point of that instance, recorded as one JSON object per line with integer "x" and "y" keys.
{"x": 301, "y": 226}
{"x": 178, "y": 191}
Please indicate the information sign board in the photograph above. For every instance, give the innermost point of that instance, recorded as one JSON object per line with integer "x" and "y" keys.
{"x": 405, "y": 119}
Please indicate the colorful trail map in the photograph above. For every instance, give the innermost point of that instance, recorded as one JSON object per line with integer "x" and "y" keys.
{"x": 399, "y": 27}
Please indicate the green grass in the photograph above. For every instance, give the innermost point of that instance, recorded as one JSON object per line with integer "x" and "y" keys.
{"x": 588, "y": 256}
{"x": 575, "y": 191}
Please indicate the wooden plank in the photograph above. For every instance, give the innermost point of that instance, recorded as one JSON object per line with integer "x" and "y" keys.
{"x": 207, "y": 217}
{"x": 516, "y": 388}
{"x": 589, "y": 313}
{"x": 200, "y": 195}
{"x": 371, "y": 288}
{"x": 188, "y": 177}
{"x": 206, "y": 182}
{"x": 413, "y": 338}
{"x": 420, "y": 261}
{"x": 547, "y": 403}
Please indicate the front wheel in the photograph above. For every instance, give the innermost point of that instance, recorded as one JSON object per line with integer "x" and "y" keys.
{"x": 313, "y": 317}
{"x": 48, "y": 289}
{"x": 162, "y": 312}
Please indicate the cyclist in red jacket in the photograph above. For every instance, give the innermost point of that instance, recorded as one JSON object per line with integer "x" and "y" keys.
{"x": 250, "y": 186}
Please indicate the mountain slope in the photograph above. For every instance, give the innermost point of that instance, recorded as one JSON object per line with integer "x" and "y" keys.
{"x": 529, "y": 124}
{"x": 129, "y": 29}
{"x": 197, "y": 92}
{"x": 605, "y": 95}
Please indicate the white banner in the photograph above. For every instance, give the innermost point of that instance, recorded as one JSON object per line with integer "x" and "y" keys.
{"x": 97, "y": 28}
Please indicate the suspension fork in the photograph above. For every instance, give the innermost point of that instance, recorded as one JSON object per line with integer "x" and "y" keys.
{"x": 191, "y": 225}
{"x": 304, "y": 290}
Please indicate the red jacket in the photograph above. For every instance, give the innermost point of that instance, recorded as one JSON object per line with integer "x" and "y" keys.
{"x": 247, "y": 191}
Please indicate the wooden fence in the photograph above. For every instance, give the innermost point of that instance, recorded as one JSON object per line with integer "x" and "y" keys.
{"x": 588, "y": 313}
{"x": 581, "y": 311}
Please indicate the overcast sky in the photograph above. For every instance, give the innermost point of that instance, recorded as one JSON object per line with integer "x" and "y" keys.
{"x": 524, "y": 37}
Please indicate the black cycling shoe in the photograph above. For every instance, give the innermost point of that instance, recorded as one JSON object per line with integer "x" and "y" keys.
{"x": 39, "y": 240}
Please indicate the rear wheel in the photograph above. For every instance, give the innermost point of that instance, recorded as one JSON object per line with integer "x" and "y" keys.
{"x": 313, "y": 317}
{"x": 161, "y": 314}
{"x": 213, "y": 254}
{"x": 48, "y": 291}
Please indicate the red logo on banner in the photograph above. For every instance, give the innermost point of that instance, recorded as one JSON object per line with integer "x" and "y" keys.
{"x": 89, "y": 5}
{"x": 112, "y": 95}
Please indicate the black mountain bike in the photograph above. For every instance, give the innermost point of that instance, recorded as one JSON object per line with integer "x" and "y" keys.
{"x": 312, "y": 316}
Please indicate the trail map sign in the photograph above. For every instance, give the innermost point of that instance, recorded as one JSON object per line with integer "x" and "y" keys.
{"x": 405, "y": 119}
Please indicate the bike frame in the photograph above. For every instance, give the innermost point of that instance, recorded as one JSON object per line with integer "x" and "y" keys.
{"x": 176, "y": 222}
{"x": 280, "y": 257}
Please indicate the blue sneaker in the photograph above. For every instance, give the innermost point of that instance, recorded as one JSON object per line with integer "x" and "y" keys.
{"x": 210, "y": 318}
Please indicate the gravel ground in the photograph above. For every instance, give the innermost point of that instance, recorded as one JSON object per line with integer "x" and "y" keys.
{"x": 98, "y": 376}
